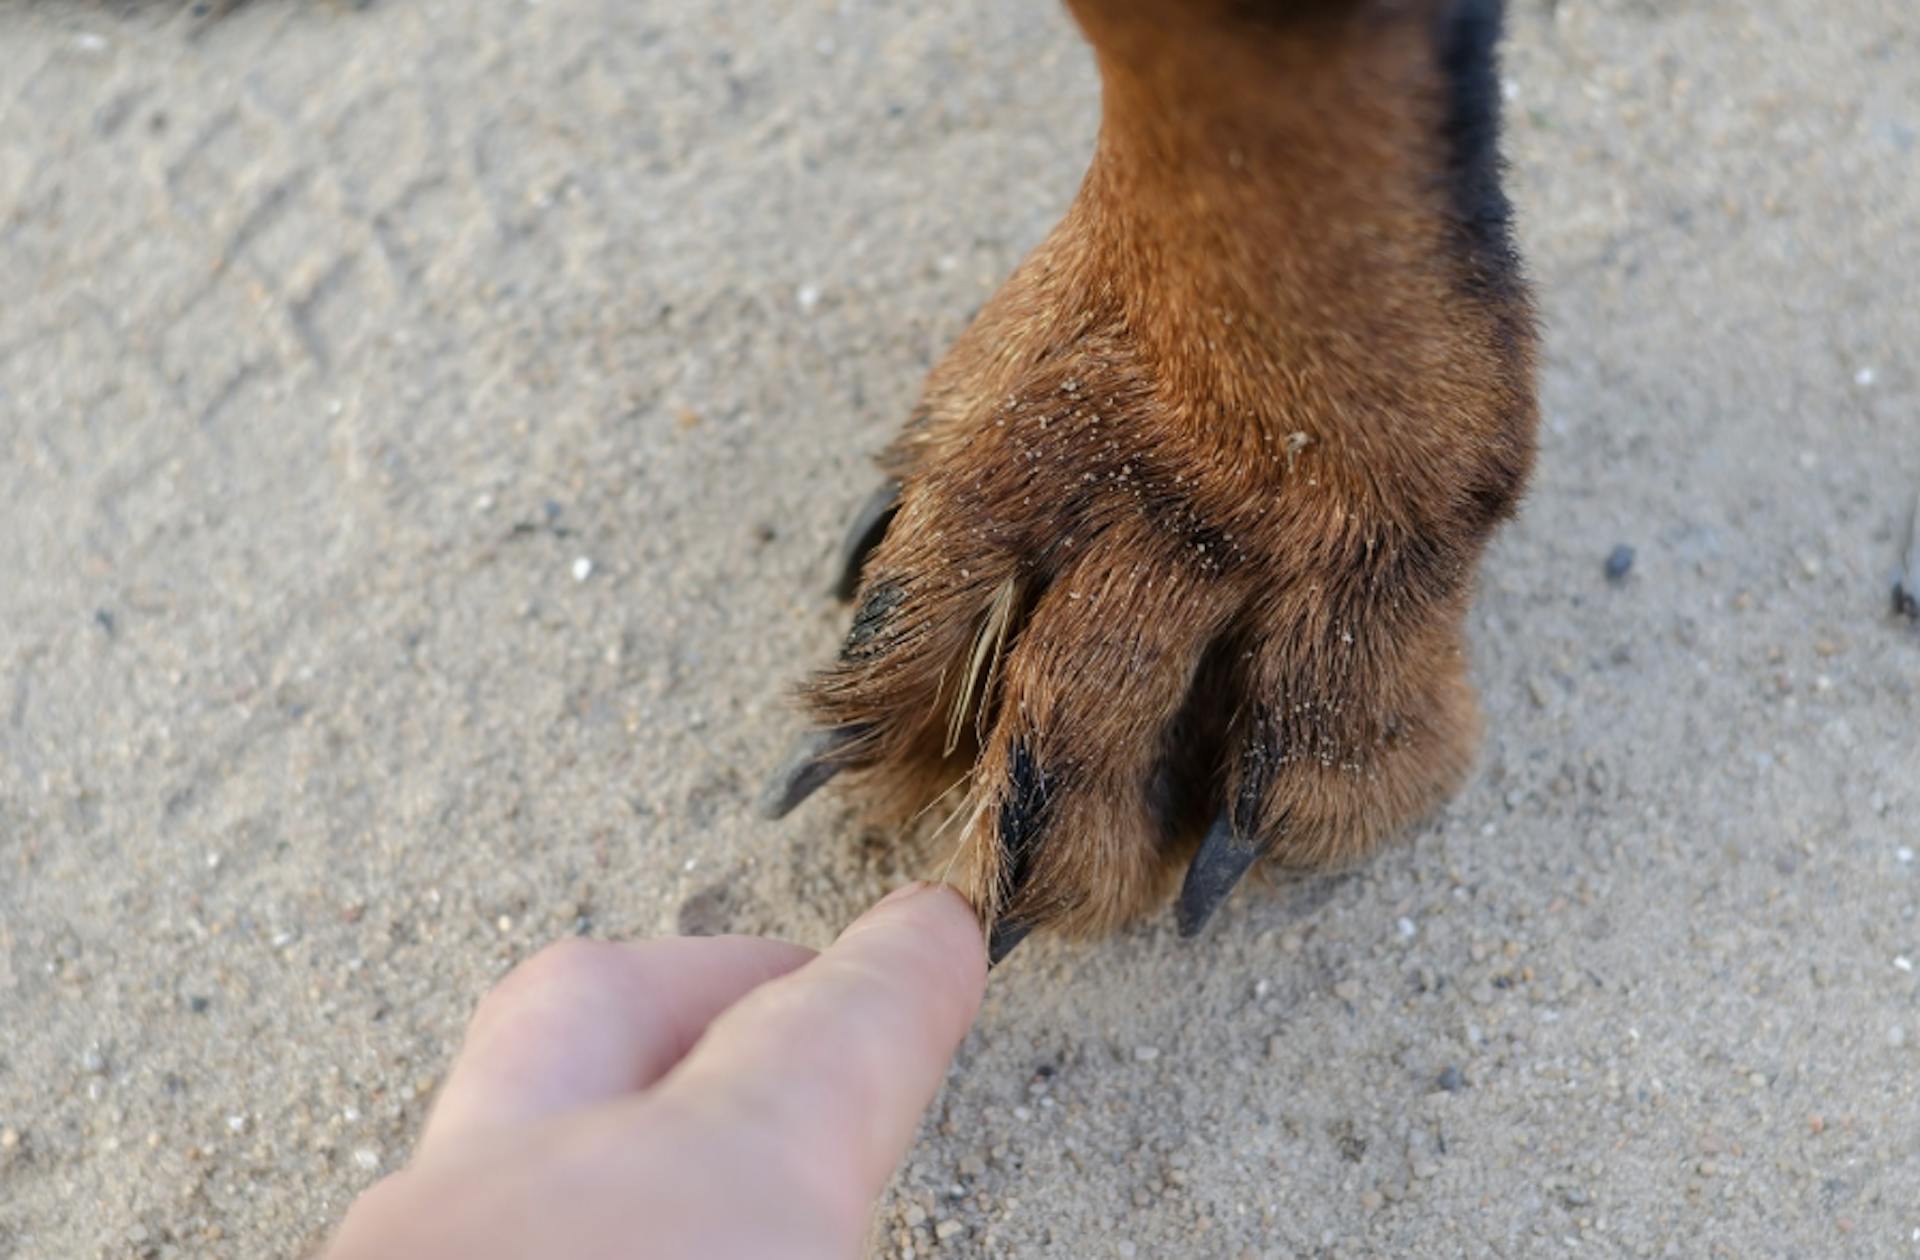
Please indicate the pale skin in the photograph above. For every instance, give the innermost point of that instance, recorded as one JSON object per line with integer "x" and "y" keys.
{"x": 724, "y": 1098}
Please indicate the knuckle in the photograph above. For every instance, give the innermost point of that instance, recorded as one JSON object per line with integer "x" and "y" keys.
{"x": 563, "y": 965}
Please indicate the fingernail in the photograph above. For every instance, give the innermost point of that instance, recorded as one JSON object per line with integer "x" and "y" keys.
{"x": 903, "y": 892}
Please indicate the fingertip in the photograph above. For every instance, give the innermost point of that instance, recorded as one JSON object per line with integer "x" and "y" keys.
{"x": 930, "y": 928}
{"x": 927, "y": 898}
{"x": 912, "y": 888}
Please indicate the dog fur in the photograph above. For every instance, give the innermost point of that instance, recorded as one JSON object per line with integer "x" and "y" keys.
{"x": 1188, "y": 519}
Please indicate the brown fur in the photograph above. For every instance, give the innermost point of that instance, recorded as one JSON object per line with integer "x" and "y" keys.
{"x": 1191, "y": 512}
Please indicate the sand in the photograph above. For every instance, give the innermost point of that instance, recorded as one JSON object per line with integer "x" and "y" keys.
{"x": 424, "y": 429}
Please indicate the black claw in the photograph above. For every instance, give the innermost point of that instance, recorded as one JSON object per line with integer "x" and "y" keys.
{"x": 868, "y": 527}
{"x": 809, "y": 766}
{"x": 1218, "y": 866}
{"x": 1023, "y": 817}
{"x": 1006, "y": 934}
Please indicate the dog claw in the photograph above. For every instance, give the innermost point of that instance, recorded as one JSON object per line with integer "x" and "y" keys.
{"x": 1219, "y": 865}
{"x": 1006, "y": 934}
{"x": 868, "y": 527}
{"x": 809, "y": 766}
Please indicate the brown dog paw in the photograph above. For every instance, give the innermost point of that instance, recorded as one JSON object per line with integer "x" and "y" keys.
{"x": 1170, "y": 569}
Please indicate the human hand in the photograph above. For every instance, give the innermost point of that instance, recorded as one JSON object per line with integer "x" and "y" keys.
{"x": 725, "y": 1098}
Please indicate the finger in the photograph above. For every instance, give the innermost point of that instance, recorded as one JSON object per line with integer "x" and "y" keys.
{"x": 841, "y": 1057}
{"x": 583, "y": 1021}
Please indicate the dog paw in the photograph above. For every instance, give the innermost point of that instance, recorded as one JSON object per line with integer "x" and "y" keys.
{"x": 1159, "y": 587}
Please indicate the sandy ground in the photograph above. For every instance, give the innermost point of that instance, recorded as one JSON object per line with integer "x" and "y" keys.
{"x": 423, "y": 429}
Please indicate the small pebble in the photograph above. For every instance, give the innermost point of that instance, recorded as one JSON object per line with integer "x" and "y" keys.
{"x": 1903, "y": 855}
{"x": 9, "y": 1138}
{"x": 1451, "y": 1080}
{"x": 367, "y": 1158}
{"x": 1619, "y": 563}
{"x": 947, "y": 1229}
{"x": 1864, "y": 378}
{"x": 1146, "y": 1054}
{"x": 582, "y": 568}
{"x": 236, "y": 1124}
{"x": 1897, "y": 1037}
{"x": 1903, "y": 963}
{"x": 808, "y": 296}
